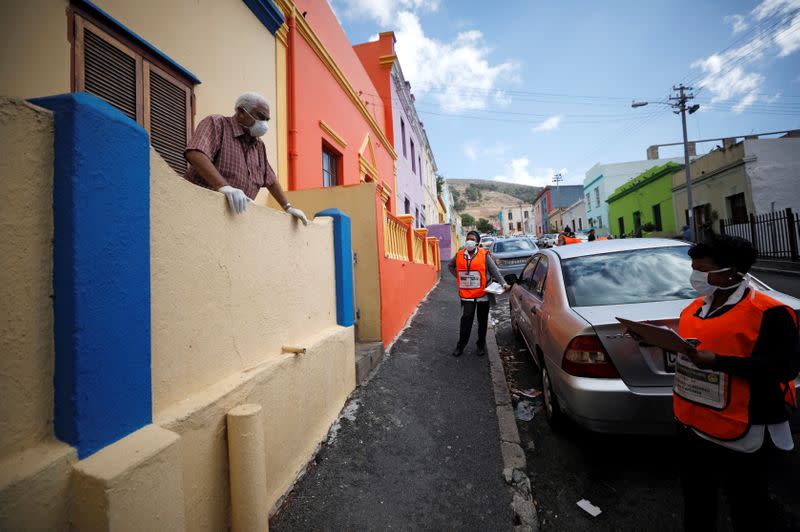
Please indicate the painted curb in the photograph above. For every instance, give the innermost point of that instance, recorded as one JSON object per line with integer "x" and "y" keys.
{"x": 514, "y": 461}
{"x": 775, "y": 270}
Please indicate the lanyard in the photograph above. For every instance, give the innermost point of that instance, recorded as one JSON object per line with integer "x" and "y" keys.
{"x": 469, "y": 259}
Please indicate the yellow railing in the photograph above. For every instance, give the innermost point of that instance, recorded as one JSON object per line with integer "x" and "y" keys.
{"x": 395, "y": 236}
{"x": 419, "y": 248}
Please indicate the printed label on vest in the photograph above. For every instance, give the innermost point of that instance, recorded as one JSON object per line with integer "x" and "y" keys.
{"x": 700, "y": 386}
{"x": 469, "y": 280}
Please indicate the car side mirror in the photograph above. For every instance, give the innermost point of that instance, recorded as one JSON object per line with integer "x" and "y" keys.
{"x": 511, "y": 279}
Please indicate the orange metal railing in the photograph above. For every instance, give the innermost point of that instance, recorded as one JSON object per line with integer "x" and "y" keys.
{"x": 419, "y": 248}
{"x": 395, "y": 236}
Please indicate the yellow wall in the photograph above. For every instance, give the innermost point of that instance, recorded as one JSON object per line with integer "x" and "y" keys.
{"x": 26, "y": 263}
{"x": 219, "y": 41}
{"x": 228, "y": 291}
{"x": 358, "y": 202}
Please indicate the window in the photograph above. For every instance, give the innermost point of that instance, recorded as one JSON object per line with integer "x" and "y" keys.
{"x": 588, "y": 201}
{"x": 737, "y": 208}
{"x": 416, "y": 215}
{"x": 519, "y": 226}
{"x": 539, "y": 277}
{"x": 510, "y": 226}
{"x": 637, "y": 223}
{"x": 330, "y": 167}
{"x": 513, "y": 245}
{"x": 527, "y": 274}
{"x": 600, "y": 221}
{"x": 525, "y": 215}
{"x": 662, "y": 274}
{"x": 413, "y": 158}
{"x": 403, "y": 136}
{"x": 419, "y": 165}
{"x": 155, "y": 95}
{"x": 407, "y": 206}
{"x": 580, "y": 224}
{"x": 621, "y": 222}
{"x": 597, "y": 197}
{"x": 657, "y": 217}
{"x": 510, "y": 215}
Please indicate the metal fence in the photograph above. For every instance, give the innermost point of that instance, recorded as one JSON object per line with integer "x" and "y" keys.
{"x": 774, "y": 234}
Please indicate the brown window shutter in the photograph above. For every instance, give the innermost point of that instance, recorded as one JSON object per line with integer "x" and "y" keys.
{"x": 167, "y": 111}
{"x": 108, "y": 69}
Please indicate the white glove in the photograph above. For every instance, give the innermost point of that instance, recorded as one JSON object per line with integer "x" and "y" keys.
{"x": 297, "y": 213}
{"x": 236, "y": 198}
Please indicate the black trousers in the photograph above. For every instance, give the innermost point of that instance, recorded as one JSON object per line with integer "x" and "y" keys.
{"x": 467, "y": 317}
{"x": 706, "y": 467}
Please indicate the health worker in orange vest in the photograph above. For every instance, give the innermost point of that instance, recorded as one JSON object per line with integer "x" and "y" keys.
{"x": 473, "y": 268}
{"x": 732, "y": 394}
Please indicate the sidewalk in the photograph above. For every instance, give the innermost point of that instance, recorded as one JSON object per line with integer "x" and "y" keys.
{"x": 423, "y": 450}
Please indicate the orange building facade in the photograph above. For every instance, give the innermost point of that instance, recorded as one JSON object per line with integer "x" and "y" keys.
{"x": 340, "y": 154}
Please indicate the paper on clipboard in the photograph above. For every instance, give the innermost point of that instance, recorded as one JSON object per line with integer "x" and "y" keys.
{"x": 495, "y": 288}
{"x": 667, "y": 339}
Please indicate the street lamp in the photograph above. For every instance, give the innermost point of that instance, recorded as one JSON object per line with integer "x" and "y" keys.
{"x": 679, "y": 104}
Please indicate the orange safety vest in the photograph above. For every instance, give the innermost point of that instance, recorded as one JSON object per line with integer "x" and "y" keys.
{"x": 471, "y": 275}
{"x": 713, "y": 402}
{"x": 601, "y": 238}
{"x": 570, "y": 240}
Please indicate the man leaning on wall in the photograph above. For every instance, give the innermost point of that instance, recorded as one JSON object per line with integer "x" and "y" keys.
{"x": 226, "y": 154}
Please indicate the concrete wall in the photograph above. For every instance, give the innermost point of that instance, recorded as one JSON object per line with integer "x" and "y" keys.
{"x": 444, "y": 232}
{"x": 34, "y": 468}
{"x": 212, "y": 39}
{"x": 774, "y": 174}
{"x": 575, "y": 216}
{"x": 357, "y": 201}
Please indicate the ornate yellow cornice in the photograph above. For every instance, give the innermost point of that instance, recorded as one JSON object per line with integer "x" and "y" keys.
{"x": 387, "y": 60}
{"x": 307, "y": 32}
{"x": 335, "y": 136}
{"x": 385, "y": 192}
{"x": 283, "y": 34}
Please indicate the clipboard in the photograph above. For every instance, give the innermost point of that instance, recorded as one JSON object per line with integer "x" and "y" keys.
{"x": 666, "y": 339}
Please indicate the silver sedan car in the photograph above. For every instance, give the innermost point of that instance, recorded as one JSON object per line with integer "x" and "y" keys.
{"x": 565, "y": 305}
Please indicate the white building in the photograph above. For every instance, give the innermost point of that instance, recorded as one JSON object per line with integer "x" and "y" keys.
{"x": 574, "y": 216}
{"x": 516, "y": 220}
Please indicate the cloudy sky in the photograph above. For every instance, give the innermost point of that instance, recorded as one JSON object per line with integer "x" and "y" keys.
{"x": 539, "y": 87}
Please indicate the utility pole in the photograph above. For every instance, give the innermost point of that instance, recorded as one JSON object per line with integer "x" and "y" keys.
{"x": 557, "y": 179}
{"x": 680, "y": 100}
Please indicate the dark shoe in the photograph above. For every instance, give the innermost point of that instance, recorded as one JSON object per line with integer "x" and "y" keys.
{"x": 481, "y": 350}
{"x": 458, "y": 351}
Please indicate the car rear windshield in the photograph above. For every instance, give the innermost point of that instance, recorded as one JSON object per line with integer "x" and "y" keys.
{"x": 508, "y": 246}
{"x": 636, "y": 276}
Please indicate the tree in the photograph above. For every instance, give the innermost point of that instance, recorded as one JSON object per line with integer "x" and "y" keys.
{"x": 459, "y": 205}
{"x": 467, "y": 220}
{"x": 484, "y": 226}
{"x": 473, "y": 193}
{"x": 439, "y": 184}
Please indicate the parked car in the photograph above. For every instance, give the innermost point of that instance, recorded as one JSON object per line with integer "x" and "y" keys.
{"x": 511, "y": 255}
{"x": 548, "y": 240}
{"x": 564, "y": 306}
{"x": 486, "y": 242}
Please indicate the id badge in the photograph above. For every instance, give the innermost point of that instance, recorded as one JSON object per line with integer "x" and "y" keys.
{"x": 700, "y": 386}
{"x": 469, "y": 280}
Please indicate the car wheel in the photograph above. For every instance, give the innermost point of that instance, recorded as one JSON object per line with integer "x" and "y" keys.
{"x": 552, "y": 410}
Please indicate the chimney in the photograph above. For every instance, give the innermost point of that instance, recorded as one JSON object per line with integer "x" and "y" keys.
{"x": 751, "y": 137}
{"x": 727, "y": 143}
{"x": 692, "y": 149}
{"x": 652, "y": 153}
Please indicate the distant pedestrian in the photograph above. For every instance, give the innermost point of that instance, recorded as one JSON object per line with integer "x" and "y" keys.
{"x": 685, "y": 233}
{"x": 731, "y": 393}
{"x": 591, "y": 236}
{"x": 473, "y": 268}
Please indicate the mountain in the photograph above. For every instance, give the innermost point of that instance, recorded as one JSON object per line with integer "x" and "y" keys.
{"x": 484, "y": 199}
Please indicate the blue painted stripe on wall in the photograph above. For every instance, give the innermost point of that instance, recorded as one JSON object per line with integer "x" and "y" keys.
{"x": 102, "y": 15}
{"x": 343, "y": 259}
{"x": 267, "y": 13}
{"x": 595, "y": 180}
{"x": 101, "y": 272}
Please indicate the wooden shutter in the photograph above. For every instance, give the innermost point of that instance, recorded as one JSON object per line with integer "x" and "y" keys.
{"x": 108, "y": 69}
{"x": 167, "y": 110}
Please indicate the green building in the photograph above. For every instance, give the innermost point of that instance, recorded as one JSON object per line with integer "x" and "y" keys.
{"x": 644, "y": 203}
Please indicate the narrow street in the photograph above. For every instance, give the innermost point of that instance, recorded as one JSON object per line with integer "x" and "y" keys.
{"x": 632, "y": 479}
{"x": 419, "y": 447}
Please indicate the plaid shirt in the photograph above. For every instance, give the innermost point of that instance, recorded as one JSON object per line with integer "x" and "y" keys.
{"x": 239, "y": 158}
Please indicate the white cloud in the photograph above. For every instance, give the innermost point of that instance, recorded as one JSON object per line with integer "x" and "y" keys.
{"x": 517, "y": 171}
{"x": 550, "y": 124}
{"x": 730, "y": 75}
{"x": 502, "y": 98}
{"x": 471, "y": 151}
{"x": 384, "y": 11}
{"x": 737, "y": 22}
{"x": 474, "y": 150}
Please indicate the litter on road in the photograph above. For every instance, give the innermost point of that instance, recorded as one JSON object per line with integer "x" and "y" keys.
{"x": 589, "y": 508}
{"x": 525, "y": 411}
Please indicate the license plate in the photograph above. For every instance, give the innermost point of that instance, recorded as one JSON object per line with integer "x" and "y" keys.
{"x": 669, "y": 361}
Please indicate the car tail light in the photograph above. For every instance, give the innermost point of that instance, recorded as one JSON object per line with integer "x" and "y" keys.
{"x": 585, "y": 356}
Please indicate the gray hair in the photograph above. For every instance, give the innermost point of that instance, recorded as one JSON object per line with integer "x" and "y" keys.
{"x": 250, "y": 100}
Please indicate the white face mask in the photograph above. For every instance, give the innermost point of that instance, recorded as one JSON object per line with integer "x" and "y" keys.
{"x": 699, "y": 281}
{"x": 259, "y": 127}
{"x": 471, "y": 245}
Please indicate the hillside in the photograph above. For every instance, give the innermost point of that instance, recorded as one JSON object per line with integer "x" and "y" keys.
{"x": 486, "y": 198}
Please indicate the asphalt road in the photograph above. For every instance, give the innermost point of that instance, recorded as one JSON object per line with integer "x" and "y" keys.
{"x": 631, "y": 478}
